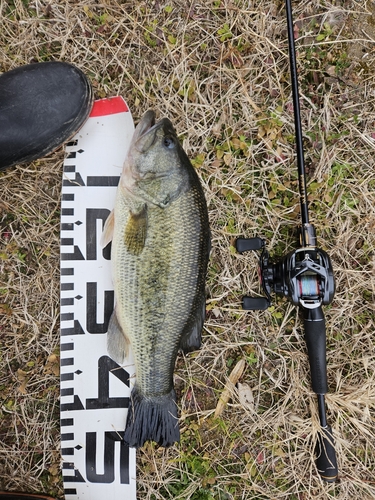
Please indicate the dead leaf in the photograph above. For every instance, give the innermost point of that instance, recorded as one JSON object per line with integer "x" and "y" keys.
{"x": 23, "y": 378}
{"x": 245, "y": 395}
{"x": 227, "y": 159}
{"x": 54, "y": 470}
{"x": 6, "y": 309}
{"x": 52, "y": 365}
{"x": 233, "y": 378}
{"x": 234, "y": 57}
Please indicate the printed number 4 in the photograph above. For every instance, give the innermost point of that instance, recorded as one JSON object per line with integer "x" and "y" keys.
{"x": 106, "y": 366}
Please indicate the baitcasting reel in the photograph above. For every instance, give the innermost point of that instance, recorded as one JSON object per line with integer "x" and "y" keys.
{"x": 304, "y": 276}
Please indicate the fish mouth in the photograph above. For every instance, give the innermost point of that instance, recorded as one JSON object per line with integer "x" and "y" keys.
{"x": 145, "y": 132}
{"x": 146, "y": 123}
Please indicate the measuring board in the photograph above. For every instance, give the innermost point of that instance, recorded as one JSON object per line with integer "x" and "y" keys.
{"x": 94, "y": 389}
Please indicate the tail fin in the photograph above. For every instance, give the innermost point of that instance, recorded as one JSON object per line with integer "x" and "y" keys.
{"x": 152, "y": 419}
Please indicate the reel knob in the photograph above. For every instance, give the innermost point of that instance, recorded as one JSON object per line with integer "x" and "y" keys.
{"x": 255, "y": 303}
{"x": 247, "y": 244}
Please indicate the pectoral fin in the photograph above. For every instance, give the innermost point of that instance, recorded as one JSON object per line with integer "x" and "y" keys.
{"x": 117, "y": 340}
{"x": 136, "y": 231}
{"x": 107, "y": 233}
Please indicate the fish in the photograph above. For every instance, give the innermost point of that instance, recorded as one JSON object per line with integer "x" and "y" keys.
{"x": 159, "y": 229}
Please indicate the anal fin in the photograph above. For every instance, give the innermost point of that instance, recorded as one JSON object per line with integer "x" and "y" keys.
{"x": 107, "y": 234}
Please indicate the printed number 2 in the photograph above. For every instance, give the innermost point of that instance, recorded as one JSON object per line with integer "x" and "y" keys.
{"x": 106, "y": 365}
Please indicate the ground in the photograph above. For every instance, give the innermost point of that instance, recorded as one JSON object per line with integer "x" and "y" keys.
{"x": 219, "y": 70}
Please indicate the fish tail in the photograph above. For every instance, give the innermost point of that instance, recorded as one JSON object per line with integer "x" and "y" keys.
{"x": 152, "y": 419}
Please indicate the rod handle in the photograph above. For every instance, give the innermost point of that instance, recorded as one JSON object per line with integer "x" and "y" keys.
{"x": 326, "y": 461}
{"x": 315, "y": 335}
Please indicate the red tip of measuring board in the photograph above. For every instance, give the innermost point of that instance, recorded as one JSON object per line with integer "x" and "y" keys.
{"x": 110, "y": 106}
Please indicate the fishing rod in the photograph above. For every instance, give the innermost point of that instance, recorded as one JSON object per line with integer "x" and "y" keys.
{"x": 305, "y": 277}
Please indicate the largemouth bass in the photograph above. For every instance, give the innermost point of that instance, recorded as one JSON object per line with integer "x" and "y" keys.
{"x": 160, "y": 247}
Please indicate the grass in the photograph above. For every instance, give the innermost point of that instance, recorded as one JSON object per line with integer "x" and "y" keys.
{"x": 219, "y": 71}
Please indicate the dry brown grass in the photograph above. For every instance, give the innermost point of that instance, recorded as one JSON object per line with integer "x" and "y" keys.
{"x": 219, "y": 71}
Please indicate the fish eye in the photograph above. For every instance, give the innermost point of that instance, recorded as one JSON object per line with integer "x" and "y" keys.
{"x": 169, "y": 142}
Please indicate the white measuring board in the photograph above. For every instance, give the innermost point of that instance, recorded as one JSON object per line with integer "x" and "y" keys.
{"x": 95, "y": 390}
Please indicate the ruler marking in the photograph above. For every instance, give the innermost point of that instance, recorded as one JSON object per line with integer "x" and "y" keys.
{"x": 67, "y": 286}
{"x": 76, "y": 405}
{"x": 67, "y": 451}
{"x": 69, "y": 436}
{"x": 67, "y": 302}
{"x": 67, "y": 361}
{"x": 67, "y": 241}
{"x": 67, "y": 271}
{"x": 76, "y": 330}
{"x": 69, "y": 168}
{"x": 66, "y": 316}
{"x": 76, "y": 255}
{"x": 66, "y": 422}
{"x": 67, "y": 347}
{"x": 67, "y": 392}
{"x": 102, "y": 180}
{"x": 67, "y": 197}
{"x": 68, "y": 465}
{"x": 76, "y": 182}
{"x": 67, "y": 211}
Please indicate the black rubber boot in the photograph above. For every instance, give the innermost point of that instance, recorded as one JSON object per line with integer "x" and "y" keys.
{"x": 5, "y": 495}
{"x": 41, "y": 106}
